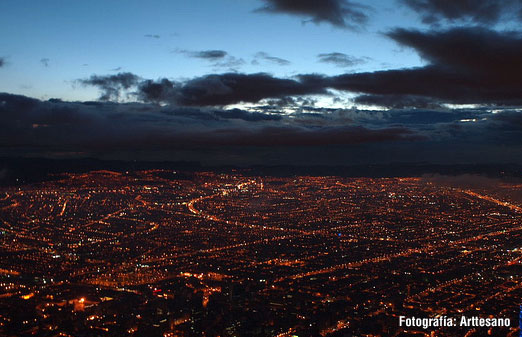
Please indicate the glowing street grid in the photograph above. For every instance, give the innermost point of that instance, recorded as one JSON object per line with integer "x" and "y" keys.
{"x": 163, "y": 253}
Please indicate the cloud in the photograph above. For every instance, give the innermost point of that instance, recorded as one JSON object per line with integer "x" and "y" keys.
{"x": 341, "y": 60}
{"x": 476, "y": 11}
{"x": 225, "y": 89}
{"x": 160, "y": 91}
{"x": 291, "y": 102}
{"x": 111, "y": 86}
{"x": 219, "y": 58}
{"x": 212, "y": 55}
{"x": 473, "y": 48}
{"x": 45, "y": 62}
{"x": 339, "y": 13}
{"x": 231, "y": 64}
{"x": 465, "y": 66}
{"x": 152, "y": 36}
{"x": 265, "y": 57}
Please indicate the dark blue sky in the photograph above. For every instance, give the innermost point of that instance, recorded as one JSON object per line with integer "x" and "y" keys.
{"x": 250, "y": 81}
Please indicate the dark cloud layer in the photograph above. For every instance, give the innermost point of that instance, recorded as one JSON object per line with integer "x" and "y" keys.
{"x": 477, "y": 11}
{"x": 106, "y": 129}
{"x": 340, "y": 59}
{"x": 465, "y": 65}
{"x": 509, "y": 120}
{"x": 45, "y": 126}
{"x": 340, "y": 13}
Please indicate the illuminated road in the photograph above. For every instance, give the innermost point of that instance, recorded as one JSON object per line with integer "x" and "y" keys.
{"x": 299, "y": 247}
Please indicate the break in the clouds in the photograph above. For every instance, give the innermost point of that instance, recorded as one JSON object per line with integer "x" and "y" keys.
{"x": 477, "y": 11}
{"x": 269, "y": 58}
{"x": 341, "y": 59}
{"x": 339, "y": 13}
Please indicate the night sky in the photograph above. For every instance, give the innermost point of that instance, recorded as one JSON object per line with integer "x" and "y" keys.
{"x": 243, "y": 82}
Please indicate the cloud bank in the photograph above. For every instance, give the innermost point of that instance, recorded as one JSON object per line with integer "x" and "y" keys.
{"x": 476, "y": 11}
